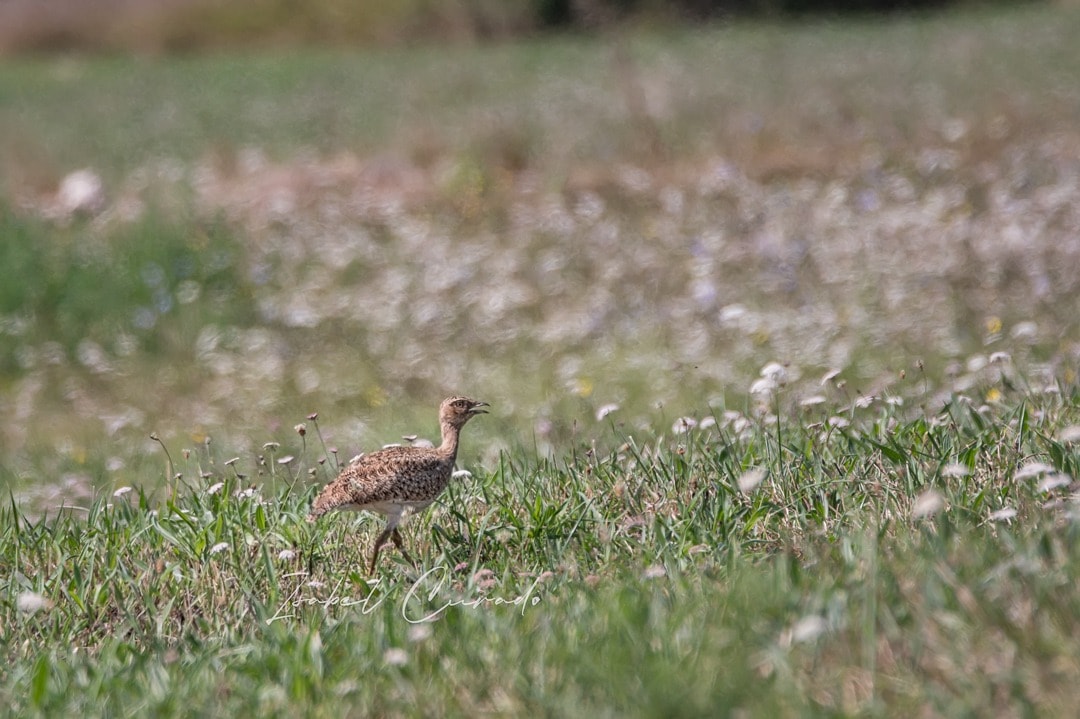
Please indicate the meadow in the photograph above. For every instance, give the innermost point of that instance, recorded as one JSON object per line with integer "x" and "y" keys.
{"x": 779, "y": 325}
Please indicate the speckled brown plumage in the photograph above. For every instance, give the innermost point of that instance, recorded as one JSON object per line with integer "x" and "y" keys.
{"x": 398, "y": 478}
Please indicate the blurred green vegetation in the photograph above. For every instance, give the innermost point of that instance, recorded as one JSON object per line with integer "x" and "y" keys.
{"x": 146, "y": 287}
{"x": 556, "y": 225}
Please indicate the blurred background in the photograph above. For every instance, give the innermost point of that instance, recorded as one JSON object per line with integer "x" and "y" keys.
{"x": 187, "y": 25}
{"x": 219, "y": 217}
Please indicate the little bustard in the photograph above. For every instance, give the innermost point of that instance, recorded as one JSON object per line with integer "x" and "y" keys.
{"x": 398, "y": 478}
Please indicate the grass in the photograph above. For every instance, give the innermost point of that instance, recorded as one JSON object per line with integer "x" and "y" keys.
{"x": 652, "y": 583}
{"x": 773, "y": 354}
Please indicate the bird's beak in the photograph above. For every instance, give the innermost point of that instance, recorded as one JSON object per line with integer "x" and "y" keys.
{"x": 475, "y": 409}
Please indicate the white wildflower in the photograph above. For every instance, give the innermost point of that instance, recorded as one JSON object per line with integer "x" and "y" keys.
{"x": 1024, "y": 331}
{"x": 215, "y": 488}
{"x": 774, "y": 370}
{"x": 1032, "y": 469}
{"x": 813, "y": 400}
{"x": 1069, "y": 435}
{"x": 765, "y": 385}
{"x": 865, "y": 401}
{"x": 121, "y": 491}
{"x": 81, "y": 192}
{"x": 955, "y": 469}
{"x": 419, "y": 632}
{"x": 808, "y": 629}
{"x": 830, "y": 376}
{"x": 750, "y": 479}
{"x": 462, "y": 474}
{"x": 605, "y": 410}
{"x": 1002, "y": 515}
{"x": 286, "y": 555}
{"x": 683, "y": 425}
{"x": 395, "y": 657}
{"x": 219, "y": 547}
{"x": 927, "y": 504}
{"x": 1053, "y": 481}
{"x": 31, "y": 602}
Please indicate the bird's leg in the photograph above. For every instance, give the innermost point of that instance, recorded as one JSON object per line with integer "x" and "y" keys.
{"x": 396, "y": 536}
{"x": 378, "y": 545}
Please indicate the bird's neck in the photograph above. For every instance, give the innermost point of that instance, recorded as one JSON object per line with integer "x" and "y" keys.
{"x": 449, "y": 445}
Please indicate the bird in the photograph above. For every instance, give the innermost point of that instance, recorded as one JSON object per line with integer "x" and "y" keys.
{"x": 398, "y": 478}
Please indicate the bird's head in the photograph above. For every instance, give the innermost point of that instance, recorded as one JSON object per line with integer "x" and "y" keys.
{"x": 456, "y": 411}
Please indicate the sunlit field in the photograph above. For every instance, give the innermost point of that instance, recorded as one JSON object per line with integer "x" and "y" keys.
{"x": 780, "y": 326}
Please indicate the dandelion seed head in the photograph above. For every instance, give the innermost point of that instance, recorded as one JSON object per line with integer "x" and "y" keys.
{"x": 1054, "y": 481}
{"x": 683, "y": 425}
{"x": 419, "y": 632}
{"x": 31, "y": 602}
{"x": 605, "y": 410}
{"x": 1024, "y": 331}
{"x": 1069, "y": 435}
{"x": 1002, "y": 515}
{"x": 1032, "y": 469}
{"x": 749, "y": 480}
{"x": 808, "y": 629}
{"x": 395, "y": 657}
{"x": 764, "y": 385}
{"x": 927, "y": 504}
{"x": 955, "y": 469}
{"x": 775, "y": 371}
